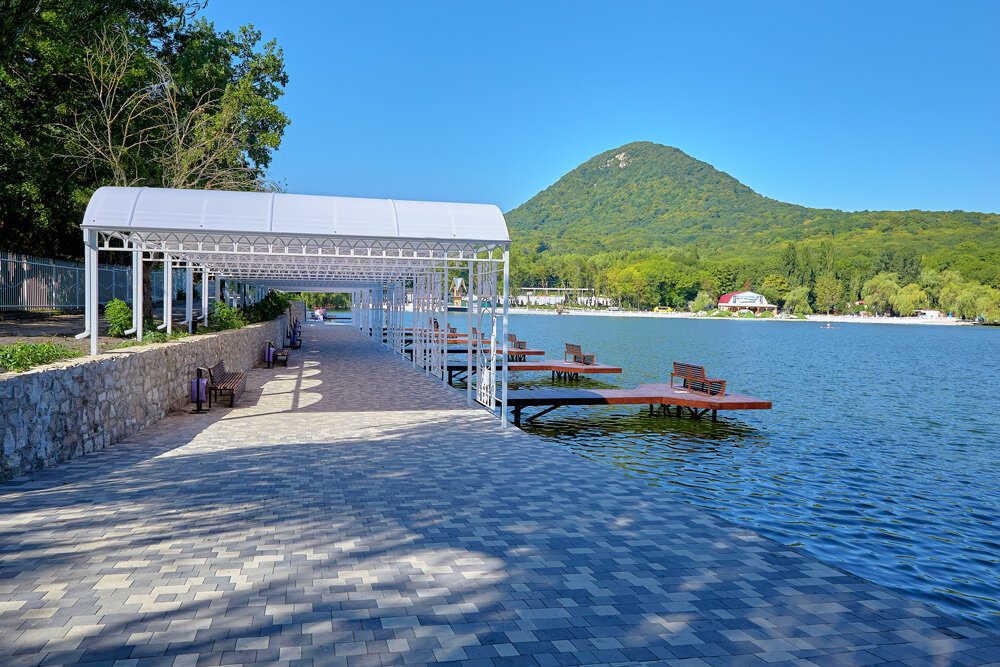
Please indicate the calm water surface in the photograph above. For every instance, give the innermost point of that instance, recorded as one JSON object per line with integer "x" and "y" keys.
{"x": 881, "y": 455}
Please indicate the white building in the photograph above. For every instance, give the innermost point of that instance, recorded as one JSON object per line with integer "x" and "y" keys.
{"x": 749, "y": 301}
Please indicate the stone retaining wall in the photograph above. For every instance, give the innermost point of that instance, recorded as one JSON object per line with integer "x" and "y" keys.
{"x": 62, "y": 410}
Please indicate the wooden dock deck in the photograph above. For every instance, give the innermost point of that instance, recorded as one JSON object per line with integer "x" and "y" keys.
{"x": 512, "y": 354}
{"x": 664, "y": 395}
{"x": 559, "y": 368}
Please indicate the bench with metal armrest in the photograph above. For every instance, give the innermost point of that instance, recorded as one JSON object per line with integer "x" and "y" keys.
{"x": 221, "y": 381}
{"x": 273, "y": 354}
{"x": 579, "y": 356}
{"x": 694, "y": 379}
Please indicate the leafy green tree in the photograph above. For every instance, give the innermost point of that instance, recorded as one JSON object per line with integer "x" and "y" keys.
{"x": 798, "y": 301}
{"x": 952, "y": 286}
{"x": 988, "y": 303}
{"x": 47, "y": 89}
{"x": 775, "y": 288}
{"x": 828, "y": 290}
{"x": 789, "y": 260}
{"x": 879, "y": 292}
{"x": 703, "y": 301}
{"x": 966, "y": 304}
{"x": 725, "y": 276}
{"x": 908, "y": 300}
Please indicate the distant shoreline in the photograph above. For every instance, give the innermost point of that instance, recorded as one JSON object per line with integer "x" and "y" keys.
{"x": 835, "y": 319}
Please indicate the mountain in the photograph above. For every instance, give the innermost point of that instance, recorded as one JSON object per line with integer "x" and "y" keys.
{"x": 646, "y": 195}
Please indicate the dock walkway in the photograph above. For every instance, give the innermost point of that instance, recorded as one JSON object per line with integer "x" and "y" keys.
{"x": 651, "y": 394}
{"x": 559, "y": 368}
{"x": 350, "y": 510}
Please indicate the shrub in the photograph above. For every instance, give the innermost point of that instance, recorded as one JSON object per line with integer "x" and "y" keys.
{"x": 225, "y": 317}
{"x": 118, "y": 315}
{"x": 750, "y": 315}
{"x": 268, "y": 308}
{"x": 21, "y": 356}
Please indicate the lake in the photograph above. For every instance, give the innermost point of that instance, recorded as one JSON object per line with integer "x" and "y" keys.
{"x": 881, "y": 455}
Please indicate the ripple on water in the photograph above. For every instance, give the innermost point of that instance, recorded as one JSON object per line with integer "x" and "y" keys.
{"x": 869, "y": 460}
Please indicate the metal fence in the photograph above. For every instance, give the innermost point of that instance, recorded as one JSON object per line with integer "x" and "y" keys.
{"x": 36, "y": 283}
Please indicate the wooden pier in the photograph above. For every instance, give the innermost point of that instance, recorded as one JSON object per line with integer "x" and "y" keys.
{"x": 512, "y": 354}
{"x": 697, "y": 404}
{"x": 560, "y": 369}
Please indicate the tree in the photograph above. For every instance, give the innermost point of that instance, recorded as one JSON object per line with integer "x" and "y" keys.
{"x": 798, "y": 301}
{"x": 59, "y": 71}
{"x": 42, "y": 83}
{"x": 828, "y": 290}
{"x": 908, "y": 300}
{"x": 775, "y": 288}
{"x": 879, "y": 292}
{"x": 144, "y": 128}
{"x": 966, "y": 304}
{"x": 789, "y": 260}
{"x": 703, "y": 301}
{"x": 725, "y": 276}
{"x": 107, "y": 137}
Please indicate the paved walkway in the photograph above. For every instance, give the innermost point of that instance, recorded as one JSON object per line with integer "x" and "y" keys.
{"x": 354, "y": 512}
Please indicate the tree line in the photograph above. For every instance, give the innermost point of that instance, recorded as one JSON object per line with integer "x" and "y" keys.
{"x": 802, "y": 278}
{"x": 126, "y": 93}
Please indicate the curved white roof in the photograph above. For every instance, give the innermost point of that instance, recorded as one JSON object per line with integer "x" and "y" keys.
{"x": 288, "y": 215}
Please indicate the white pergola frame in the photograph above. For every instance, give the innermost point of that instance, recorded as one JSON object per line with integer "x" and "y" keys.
{"x": 257, "y": 254}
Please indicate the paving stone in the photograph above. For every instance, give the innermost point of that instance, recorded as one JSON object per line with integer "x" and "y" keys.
{"x": 352, "y": 511}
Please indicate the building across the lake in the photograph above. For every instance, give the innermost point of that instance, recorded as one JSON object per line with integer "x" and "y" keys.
{"x": 748, "y": 301}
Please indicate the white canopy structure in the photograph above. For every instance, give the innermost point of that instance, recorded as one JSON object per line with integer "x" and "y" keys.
{"x": 375, "y": 249}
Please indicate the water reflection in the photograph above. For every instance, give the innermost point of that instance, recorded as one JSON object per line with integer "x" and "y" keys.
{"x": 870, "y": 460}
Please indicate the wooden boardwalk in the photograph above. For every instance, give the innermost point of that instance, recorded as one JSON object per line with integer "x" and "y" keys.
{"x": 512, "y": 354}
{"x": 559, "y": 368}
{"x": 663, "y": 395}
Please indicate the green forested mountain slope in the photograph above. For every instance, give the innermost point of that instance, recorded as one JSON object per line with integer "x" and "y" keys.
{"x": 649, "y": 225}
{"x": 644, "y": 195}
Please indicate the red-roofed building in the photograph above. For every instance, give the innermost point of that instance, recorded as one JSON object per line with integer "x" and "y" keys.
{"x": 745, "y": 301}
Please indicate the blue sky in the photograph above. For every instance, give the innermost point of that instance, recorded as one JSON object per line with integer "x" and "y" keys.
{"x": 866, "y": 105}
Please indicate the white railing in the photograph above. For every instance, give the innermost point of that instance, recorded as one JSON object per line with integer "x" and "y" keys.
{"x": 36, "y": 283}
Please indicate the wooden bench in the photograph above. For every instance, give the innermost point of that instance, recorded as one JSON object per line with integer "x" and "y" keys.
{"x": 276, "y": 355}
{"x": 516, "y": 344}
{"x": 294, "y": 335}
{"x": 220, "y": 381}
{"x": 579, "y": 357}
{"x": 694, "y": 379}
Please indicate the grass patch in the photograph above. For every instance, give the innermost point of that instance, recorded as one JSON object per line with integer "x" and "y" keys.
{"x": 21, "y": 356}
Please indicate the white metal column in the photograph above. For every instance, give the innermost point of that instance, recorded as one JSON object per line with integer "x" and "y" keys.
{"x": 189, "y": 298}
{"x": 506, "y": 317}
{"x": 168, "y": 295}
{"x": 95, "y": 327}
{"x": 136, "y": 281}
{"x": 204, "y": 295}
{"x": 90, "y": 305}
{"x": 468, "y": 337}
